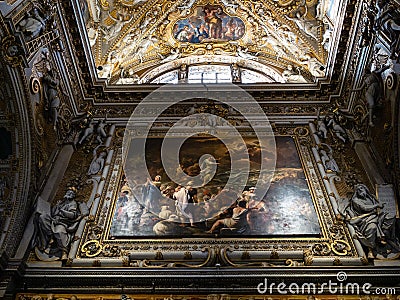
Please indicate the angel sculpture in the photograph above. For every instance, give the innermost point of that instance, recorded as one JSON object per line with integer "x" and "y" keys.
{"x": 244, "y": 53}
{"x": 88, "y": 131}
{"x": 305, "y": 25}
{"x": 175, "y": 54}
{"x": 329, "y": 163}
{"x": 101, "y": 133}
{"x": 98, "y": 161}
{"x": 113, "y": 31}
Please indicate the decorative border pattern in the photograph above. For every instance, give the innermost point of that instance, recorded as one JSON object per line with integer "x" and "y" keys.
{"x": 335, "y": 247}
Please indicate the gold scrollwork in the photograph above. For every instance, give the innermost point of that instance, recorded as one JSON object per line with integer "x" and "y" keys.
{"x": 321, "y": 249}
{"x": 337, "y": 262}
{"x": 104, "y": 4}
{"x": 308, "y": 257}
{"x": 287, "y": 2}
{"x": 391, "y": 81}
{"x": 301, "y": 131}
{"x": 336, "y": 232}
{"x": 111, "y": 250}
{"x": 340, "y": 247}
{"x": 11, "y": 50}
{"x": 92, "y": 248}
{"x": 34, "y": 85}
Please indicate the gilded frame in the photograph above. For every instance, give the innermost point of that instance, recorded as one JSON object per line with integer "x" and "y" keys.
{"x": 335, "y": 247}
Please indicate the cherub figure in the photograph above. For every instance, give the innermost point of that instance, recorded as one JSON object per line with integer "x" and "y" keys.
{"x": 113, "y": 31}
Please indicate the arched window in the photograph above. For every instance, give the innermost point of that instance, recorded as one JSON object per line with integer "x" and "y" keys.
{"x": 213, "y": 73}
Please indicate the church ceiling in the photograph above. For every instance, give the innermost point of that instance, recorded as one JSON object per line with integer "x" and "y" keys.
{"x": 135, "y": 41}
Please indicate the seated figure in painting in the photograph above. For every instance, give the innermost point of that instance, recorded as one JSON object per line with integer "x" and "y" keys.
{"x": 55, "y": 227}
{"x": 237, "y": 222}
{"x": 170, "y": 226}
{"x": 373, "y": 227}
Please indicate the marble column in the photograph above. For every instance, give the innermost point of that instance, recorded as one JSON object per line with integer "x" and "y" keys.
{"x": 48, "y": 193}
{"x": 57, "y": 173}
{"x": 368, "y": 163}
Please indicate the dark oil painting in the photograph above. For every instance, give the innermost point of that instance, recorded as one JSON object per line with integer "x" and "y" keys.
{"x": 164, "y": 209}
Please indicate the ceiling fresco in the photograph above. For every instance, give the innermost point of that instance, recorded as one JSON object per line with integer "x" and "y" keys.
{"x": 137, "y": 41}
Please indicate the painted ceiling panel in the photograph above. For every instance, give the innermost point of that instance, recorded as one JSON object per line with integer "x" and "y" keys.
{"x": 136, "y": 41}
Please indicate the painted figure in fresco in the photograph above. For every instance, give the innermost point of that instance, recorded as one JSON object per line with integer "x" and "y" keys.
{"x": 258, "y": 215}
{"x": 237, "y": 221}
{"x": 200, "y": 33}
{"x": 165, "y": 212}
{"x": 363, "y": 212}
{"x": 54, "y": 230}
{"x": 121, "y": 213}
{"x": 214, "y": 22}
{"x": 184, "y": 35}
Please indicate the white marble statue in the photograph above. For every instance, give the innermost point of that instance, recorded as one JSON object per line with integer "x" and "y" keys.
{"x": 95, "y": 10}
{"x": 93, "y": 34}
{"x": 55, "y": 227}
{"x": 244, "y": 53}
{"x": 111, "y": 32}
{"x": 100, "y": 131}
{"x": 144, "y": 46}
{"x": 33, "y": 24}
{"x": 175, "y": 54}
{"x": 329, "y": 163}
{"x": 97, "y": 164}
{"x": 106, "y": 70}
{"x": 373, "y": 227}
{"x": 314, "y": 66}
{"x": 291, "y": 75}
{"x": 308, "y": 27}
{"x": 86, "y": 132}
{"x": 372, "y": 84}
{"x": 269, "y": 40}
{"x": 336, "y": 128}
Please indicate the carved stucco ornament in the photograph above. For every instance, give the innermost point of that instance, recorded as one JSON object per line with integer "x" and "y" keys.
{"x": 91, "y": 248}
